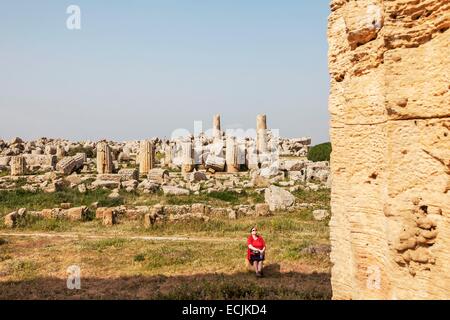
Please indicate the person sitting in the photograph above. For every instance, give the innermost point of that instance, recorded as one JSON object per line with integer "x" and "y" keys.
{"x": 256, "y": 251}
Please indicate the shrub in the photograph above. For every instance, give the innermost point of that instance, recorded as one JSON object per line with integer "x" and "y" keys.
{"x": 87, "y": 150}
{"x": 139, "y": 257}
{"x": 160, "y": 155}
{"x": 320, "y": 152}
{"x": 227, "y": 196}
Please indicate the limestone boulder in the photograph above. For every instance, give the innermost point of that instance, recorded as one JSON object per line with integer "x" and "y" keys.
{"x": 109, "y": 217}
{"x": 320, "y": 215}
{"x": 278, "y": 199}
{"x": 77, "y": 213}
{"x": 262, "y": 209}
{"x": 148, "y": 186}
{"x": 10, "y": 219}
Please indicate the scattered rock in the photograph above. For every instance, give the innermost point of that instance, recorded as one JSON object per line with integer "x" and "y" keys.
{"x": 232, "y": 214}
{"x": 77, "y": 213}
{"x": 148, "y": 186}
{"x": 262, "y": 209}
{"x": 82, "y": 188}
{"x": 198, "y": 176}
{"x": 109, "y": 217}
{"x": 10, "y": 219}
{"x": 278, "y": 198}
{"x": 176, "y": 191}
{"x": 317, "y": 249}
{"x": 65, "y": 205}
{"x": 320, "y": 215}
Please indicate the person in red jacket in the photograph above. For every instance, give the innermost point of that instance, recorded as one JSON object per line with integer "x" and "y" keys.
{"x": 256, "y": 251}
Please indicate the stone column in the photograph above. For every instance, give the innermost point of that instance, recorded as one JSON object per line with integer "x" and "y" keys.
{"x": 217, "y": 131}
{"x": 231, "y": 155}
{"x": 198, "y": 152}
{"x": 146, "y": 157}
{"x": 104, "y": 158}
{"x": 188, "y": 161}
{"x": 17, "y": 166}
{"x": 261, "y": 134}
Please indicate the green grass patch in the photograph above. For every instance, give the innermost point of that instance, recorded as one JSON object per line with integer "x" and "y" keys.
{"x": 214, "y": 198}
{"x": 89, "y": 151}
{"x": 226, "y": 196}
{"x": 11, "y": 200}
{"x": 23, "y": 269}
{"x": 139, "y": 257}
{"x": 160, "y": 155}
{"x": 21, "y": 182}
{"x": 4, "y": 173}
{"x": 320, "y": 197}
{"x": 169, "y": 257}
{"x": 41, "y": 224}
{"x": 103, "y": 244}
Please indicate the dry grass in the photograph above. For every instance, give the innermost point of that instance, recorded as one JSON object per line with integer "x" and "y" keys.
{"x": 116, "y": 266}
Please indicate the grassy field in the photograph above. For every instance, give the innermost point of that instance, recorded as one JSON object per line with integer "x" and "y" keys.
{"x": 11, "y": 200}
{"x": 124, "y": 262}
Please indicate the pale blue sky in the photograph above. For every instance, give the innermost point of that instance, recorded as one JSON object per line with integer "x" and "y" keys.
{"x": 139, "y": 69}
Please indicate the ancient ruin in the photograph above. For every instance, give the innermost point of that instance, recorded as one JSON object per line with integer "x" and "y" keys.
{"x": 389, "y": 106}
{"x": 146, "y": 157}
{"x": 104, "y": 158}
{"x": 179, "y": 166}
{"x": 17, "y": 166}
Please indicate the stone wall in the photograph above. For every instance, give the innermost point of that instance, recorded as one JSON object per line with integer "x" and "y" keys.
{"x": 390, "y": 125}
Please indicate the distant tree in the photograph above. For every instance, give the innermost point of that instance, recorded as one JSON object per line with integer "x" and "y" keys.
{"x": 320, "y": 152}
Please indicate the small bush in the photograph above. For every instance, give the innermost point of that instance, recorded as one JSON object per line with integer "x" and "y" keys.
{"x": 42, "y": 224}
{"x": 160, "y": 155}
{"x": 87, "y": 150}
{"x": 103, "y": 244}
{"x": 139, "y": 257}
{"x": 320, "y": 152}
{"x": 108, "y": 202}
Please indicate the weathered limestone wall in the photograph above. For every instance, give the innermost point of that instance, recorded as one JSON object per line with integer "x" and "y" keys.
{"x": 390, "y": 128}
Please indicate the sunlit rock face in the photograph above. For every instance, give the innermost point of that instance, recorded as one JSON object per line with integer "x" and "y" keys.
{"x": 389, "y": 63}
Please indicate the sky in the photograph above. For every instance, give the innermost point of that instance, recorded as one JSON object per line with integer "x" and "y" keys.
{"x": 144, "y": 68}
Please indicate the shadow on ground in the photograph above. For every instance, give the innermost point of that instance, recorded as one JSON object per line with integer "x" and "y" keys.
{"x": 242, "y": 285}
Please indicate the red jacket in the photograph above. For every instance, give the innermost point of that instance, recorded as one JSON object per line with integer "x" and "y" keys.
{"x": 258, "y": 244}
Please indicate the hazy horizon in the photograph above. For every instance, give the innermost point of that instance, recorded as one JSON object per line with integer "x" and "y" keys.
{"x": 142, "y": 69}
